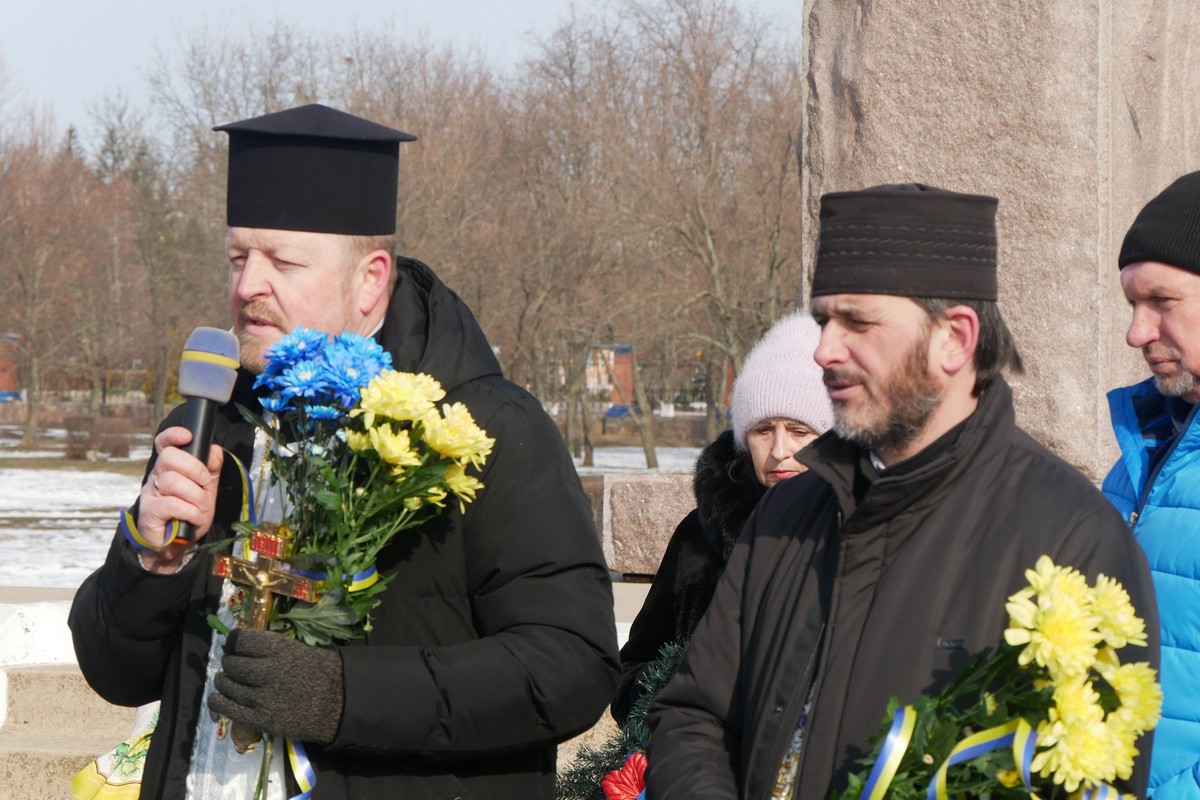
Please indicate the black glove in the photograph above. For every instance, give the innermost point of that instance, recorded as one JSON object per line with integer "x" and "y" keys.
{"x": 276, "y": 685}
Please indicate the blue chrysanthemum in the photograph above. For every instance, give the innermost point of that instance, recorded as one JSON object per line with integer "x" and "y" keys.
{"x": 323, "y": 412}
{"x": 351, "y": 361}
{"x": 276, "y": 404}
{"x": 305, "y": 379}
{"x": 302, "y": 344}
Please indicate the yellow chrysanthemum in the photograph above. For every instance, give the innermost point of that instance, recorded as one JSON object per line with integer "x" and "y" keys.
{"x": 436, "y": 497}
{"x": 394, "y": 447}
{"x": 1008, "y": 778}
{"x": 1123, "y": 750}
{"x": 1042, "y": 575}
{"x": 454, "y": 435}
{"x": 1139, "y": 694}
{"x": 1060, "y": 634}
{"x": 1076, "y": 700}
{"x": 1079, "y": 751}
{"x": 359, "y": 442}
{"x": 413, "y": 503}
{"x": 1119, "y": 622}
{"x": 1022, "y": 611}
{"x": 463, "y": 485}
{"x": 402, "y": 396}
{"x": 1080, "y": 747}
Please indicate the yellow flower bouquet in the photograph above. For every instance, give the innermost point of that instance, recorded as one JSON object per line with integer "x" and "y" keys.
{"x": 1051, "y": 713}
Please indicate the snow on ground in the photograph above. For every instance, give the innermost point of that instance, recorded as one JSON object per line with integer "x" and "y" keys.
{"x": 56, "y": 524}
{"x": 633, "y": 459}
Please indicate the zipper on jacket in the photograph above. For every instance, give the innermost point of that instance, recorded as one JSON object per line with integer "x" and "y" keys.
{"x": 1136, "y": 514}
{"x": 792, "y": 712}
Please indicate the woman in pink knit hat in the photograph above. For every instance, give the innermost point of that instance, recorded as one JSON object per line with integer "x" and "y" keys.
{"x": 779, "y": 407}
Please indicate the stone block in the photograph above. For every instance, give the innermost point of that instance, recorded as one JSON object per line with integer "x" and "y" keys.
{"x": 639, "y": 515}
{"x": 1069, "y": 112}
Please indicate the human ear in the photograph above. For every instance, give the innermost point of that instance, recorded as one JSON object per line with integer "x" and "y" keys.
{"x": 375, "y": 270}
{"x": 959, "y": 336}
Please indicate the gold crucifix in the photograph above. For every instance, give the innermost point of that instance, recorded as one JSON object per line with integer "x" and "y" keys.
{"x": 264, "y": 578}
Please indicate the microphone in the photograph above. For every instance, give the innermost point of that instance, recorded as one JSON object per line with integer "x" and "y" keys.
{"x": 207, "y": 373}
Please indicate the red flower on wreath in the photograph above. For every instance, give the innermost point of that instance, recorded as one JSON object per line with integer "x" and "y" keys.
{"x": 628, "y": 782}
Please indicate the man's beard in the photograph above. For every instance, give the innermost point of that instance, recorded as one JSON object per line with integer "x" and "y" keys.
{"x": 1176, "y": 385}
{"x": 897, "y": 411}
{"x": 254, "y": 349}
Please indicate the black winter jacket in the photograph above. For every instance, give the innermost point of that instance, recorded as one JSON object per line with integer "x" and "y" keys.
{"x": 726, "y": 491}
{"x": 889, "y": 594}
{"x": 495, "y": 641}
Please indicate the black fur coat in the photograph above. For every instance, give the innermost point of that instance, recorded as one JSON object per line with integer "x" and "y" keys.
{"x": 726, "y": 492}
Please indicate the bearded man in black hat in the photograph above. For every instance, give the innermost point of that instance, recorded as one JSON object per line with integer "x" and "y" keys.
{"x": 884, "y": 569}
{"x": 496, "y": 639}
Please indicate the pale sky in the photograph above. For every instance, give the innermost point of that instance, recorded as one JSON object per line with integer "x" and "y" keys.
{"x": 62, "y": 55}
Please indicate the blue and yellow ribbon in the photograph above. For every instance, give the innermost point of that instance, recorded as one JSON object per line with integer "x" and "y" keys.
{"x": 127, "y": 525}
{"x": 359, "y": 581}
{"x": 364, "y": 580}
{"x": 890, "y": 754}
{"x": 975, "y": 745}
{"x": 247, "y": 509}
{"x": 1023, "y": 747}
{"x": 302, "y": 770}
{"x": 1017, "y": 734}
{"x": 1101, "y": 792}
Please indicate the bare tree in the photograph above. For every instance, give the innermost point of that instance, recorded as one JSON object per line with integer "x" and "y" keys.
{"x": 39, "y": 248}
{"x": 716, "y": 116}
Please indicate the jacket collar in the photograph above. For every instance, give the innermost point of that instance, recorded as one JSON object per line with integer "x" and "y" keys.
{"x": 726, "y": 492}
{"x": 841, "y": 463}
{"x": 428, "y": 328}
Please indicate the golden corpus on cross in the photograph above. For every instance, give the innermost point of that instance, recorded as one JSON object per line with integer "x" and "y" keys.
{"x": 267, "y": 576}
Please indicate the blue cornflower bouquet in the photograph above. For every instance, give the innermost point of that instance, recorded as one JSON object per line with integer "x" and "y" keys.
{"x": 360, "y": 452}
{"x": 1052, "y": 713}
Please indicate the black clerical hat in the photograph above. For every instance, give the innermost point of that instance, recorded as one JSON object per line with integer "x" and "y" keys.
{"x": 911, "y": 240}
{"x": 313, "y": 168}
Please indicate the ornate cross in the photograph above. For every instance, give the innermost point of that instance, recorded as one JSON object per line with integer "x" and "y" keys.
{"x": 263, "y": 579}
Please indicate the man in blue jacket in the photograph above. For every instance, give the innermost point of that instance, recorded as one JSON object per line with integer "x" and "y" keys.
{"x": 1156, "y": 482}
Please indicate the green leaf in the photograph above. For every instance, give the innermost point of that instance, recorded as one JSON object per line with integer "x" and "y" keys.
{"x": 320, "y": 623}
{"x": 215, "y": 623}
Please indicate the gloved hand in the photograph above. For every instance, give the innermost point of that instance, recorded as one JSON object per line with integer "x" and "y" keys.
{"x": 277, "y": 685}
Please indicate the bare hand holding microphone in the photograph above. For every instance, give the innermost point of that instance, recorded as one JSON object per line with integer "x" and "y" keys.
{"x": 179, "y": 497}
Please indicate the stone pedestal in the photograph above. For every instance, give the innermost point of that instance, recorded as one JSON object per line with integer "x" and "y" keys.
{"x": 1073, "y": 114}
{"x": 639, "y": 514}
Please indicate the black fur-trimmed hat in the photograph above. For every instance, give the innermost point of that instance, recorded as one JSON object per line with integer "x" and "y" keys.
{"x": 910, "y": 240}
{"x": 313, "y": 168}
{"x": 1167, "y": 230}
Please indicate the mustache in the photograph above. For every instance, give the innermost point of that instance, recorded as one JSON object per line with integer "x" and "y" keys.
{"x": 829, "y": 376}
{"x": 261, "y": 310}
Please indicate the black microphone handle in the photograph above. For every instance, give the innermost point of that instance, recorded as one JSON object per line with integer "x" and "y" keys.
{"x": 199, "y": 416}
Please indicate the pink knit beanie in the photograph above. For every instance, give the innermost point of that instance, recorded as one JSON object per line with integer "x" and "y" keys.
{"x": 780, "y": 379}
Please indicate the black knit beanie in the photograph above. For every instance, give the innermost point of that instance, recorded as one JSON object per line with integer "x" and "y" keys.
{"x": 1168, "y": 229}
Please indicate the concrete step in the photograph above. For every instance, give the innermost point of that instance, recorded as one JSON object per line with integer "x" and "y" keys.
{"x": 55, "y": 699}
{"x": 53, "y": 725}
{"x": 37, "y": 769}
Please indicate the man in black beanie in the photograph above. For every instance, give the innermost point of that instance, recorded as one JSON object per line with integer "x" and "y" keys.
{"x": 883, "y": 570}
{"x": 495, "y": 641}
{"x": 1155, "y": 483}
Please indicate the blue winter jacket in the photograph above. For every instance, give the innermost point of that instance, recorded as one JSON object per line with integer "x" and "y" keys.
{"x": 1162, "y": 504}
